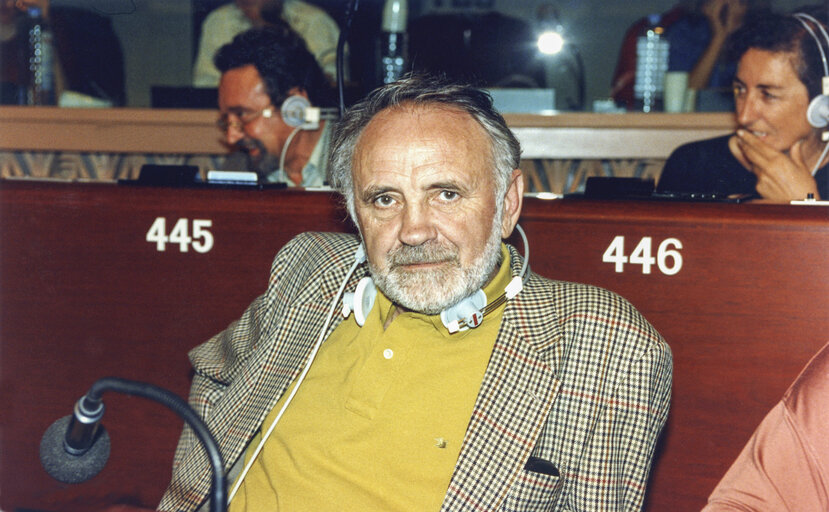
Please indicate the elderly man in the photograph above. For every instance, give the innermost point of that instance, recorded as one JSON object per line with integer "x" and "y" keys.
{"x": 776, "y": 154}
{"x": 553, "y": 401}
{"x": 268, "y": 81}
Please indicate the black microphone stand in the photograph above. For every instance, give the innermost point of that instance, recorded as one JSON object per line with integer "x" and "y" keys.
{"x": 350, "y": 9}
{"x": 57, "y": 452}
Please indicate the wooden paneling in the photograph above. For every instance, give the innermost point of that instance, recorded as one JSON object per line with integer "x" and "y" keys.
{"x": 83, "y": 295}
{"x": 132, "y": 130}
{"x": 613, "y": 136}
{"x": 117, "y": 130}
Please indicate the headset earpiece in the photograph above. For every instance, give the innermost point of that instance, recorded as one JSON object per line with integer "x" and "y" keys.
{"x": 818, "y": 111}
{"x": 470, "y": 310}
{"x": 466, "y": 314}
{"x": 296, "y": 111}
{"x": 360, "y": 301}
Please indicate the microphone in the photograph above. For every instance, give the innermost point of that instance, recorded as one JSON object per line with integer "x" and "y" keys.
{"x": 350, "y": 8}
{"x": 75, "y": 448}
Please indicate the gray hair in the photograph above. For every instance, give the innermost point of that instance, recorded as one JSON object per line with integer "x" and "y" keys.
{"x": 420, "y": 91}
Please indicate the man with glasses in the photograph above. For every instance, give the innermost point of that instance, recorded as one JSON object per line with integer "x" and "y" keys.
{"x": 262, "y": 69}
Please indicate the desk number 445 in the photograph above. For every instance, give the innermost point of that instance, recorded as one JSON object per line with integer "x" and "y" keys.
{"x": 199, "y": 237}
{"x": 668, "y": 258}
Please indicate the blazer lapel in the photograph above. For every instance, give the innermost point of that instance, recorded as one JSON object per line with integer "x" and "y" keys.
{"x": 517, "y": 393}
{"x": 293, "y": 330}
{"x": 295, "y": 336}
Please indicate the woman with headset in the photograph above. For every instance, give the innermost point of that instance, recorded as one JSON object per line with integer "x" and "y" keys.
{"x": 777, "y": 152}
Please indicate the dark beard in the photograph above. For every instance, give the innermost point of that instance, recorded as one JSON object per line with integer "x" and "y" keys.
{"x": 263, "y": 165}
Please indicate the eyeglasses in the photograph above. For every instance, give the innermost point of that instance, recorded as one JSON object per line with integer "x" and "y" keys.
{"x": 243, "y": 117}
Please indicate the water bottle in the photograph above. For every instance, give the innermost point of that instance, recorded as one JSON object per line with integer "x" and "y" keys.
{"x": 393, "y": 42}
{"x": 652, "y": 50}
{"x": 41, "y": 90}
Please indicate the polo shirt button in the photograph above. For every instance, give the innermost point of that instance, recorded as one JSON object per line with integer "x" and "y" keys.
{"x": 388, "y": 353}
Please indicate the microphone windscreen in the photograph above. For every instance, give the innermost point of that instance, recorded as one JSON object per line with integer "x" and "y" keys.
{"x": 65, "y": 467}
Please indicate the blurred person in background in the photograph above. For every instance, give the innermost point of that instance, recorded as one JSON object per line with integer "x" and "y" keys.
{"x": 697, "y": 31}
{"x": 88, "y": 61}
{"x": 261, "y": 69}
{"x": 319, "y": 31}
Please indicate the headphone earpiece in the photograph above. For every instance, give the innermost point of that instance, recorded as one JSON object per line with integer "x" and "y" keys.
{"x": 818, "y": 112}
{"x": 360, "y": 301}
{"x": 297, "y": 111}
{"x": 470, "y": 310}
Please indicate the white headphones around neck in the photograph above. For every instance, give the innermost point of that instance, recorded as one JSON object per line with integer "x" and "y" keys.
{"x": 363, "y": 296}
{"x": 818, "y": 111}
{"x": 466, "y": 314}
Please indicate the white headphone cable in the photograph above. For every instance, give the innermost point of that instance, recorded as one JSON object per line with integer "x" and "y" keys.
{"x": 820, "y": 159}
{"x": 359, "y": 257}
{"x": 526, "y": 252}
{"x": 285, "y": 150}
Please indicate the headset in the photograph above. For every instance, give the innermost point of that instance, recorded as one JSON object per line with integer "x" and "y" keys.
{"x": 366, "y": 300}
{"x": 818, "y": 111}
{"x": 466, "y": 314}
{"x": 296, "y": 111}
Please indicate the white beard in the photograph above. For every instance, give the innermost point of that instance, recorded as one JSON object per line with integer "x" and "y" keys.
{"x": 431, "y": 291}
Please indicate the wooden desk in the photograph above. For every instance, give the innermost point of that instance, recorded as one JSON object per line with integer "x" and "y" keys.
{"x": 559, "y": 151}
{"x": 137, "y": 130}
{"x": 84, "y": 295}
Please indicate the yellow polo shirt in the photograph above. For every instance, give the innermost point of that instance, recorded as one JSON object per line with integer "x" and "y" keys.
{"x": 379, "y": 421}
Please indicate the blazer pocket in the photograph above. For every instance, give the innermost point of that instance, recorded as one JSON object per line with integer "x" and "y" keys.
{"x": 533, "y": 491}
{"x": 539, "y": 465}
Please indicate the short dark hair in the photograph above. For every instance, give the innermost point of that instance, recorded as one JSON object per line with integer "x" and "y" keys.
{"x": 784, "y": 33}
{"x": 280, "y": 56}
{"x": 422, "y": 90}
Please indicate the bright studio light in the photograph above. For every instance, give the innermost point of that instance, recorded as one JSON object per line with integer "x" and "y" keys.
{"x": 550, "y": 43}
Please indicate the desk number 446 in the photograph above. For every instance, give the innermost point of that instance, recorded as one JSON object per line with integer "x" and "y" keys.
{"x": 668, "y": 258}
{"x": 199, "y": 237}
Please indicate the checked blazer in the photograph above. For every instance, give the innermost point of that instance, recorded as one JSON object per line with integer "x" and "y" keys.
{"x": 573, "y": 399}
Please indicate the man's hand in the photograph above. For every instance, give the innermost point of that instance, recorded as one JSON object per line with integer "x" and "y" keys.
{"x": 781, "y": 177}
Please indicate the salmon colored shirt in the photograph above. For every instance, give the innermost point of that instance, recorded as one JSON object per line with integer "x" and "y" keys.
{"x": 785, "y": 465}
